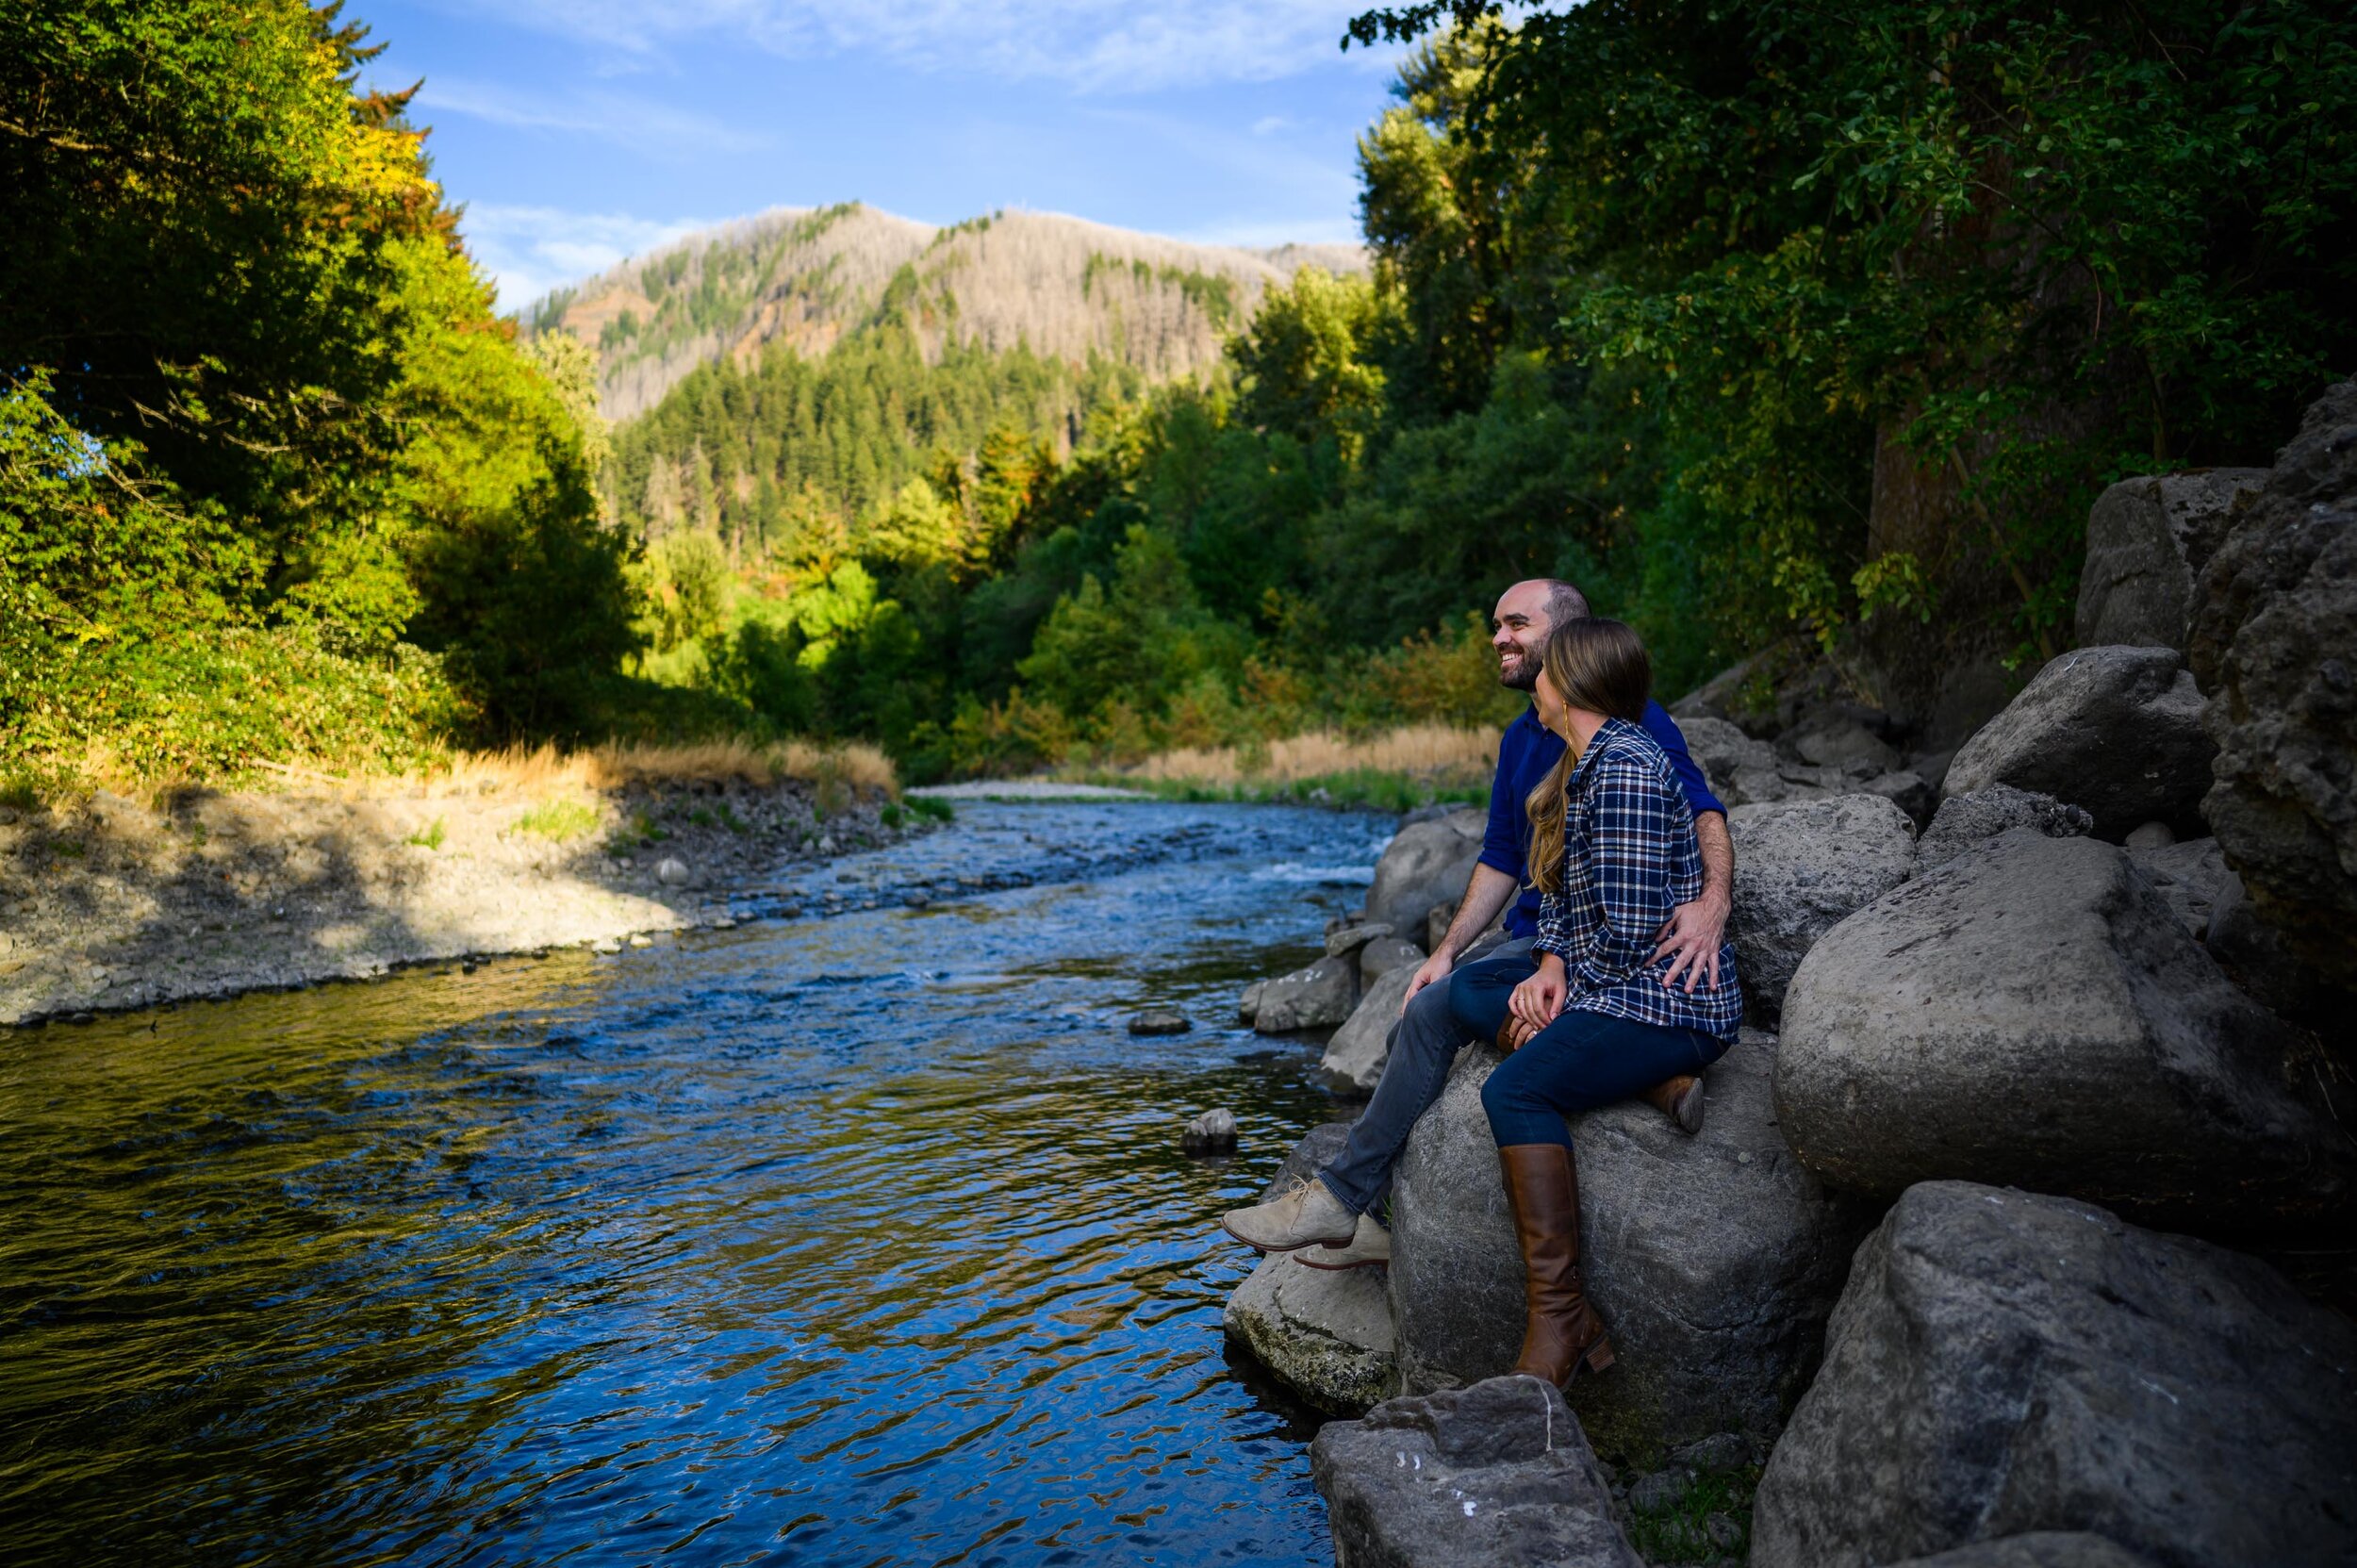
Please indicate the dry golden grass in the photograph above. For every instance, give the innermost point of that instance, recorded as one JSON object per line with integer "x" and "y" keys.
{"x": 541, "y": 772}
{"x": 856, "y": 766}
{"x": 1439, "y": 753}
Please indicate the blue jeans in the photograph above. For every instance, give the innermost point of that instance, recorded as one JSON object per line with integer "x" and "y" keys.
{"x": 1578, "y": 1063}
{"x": 1423, "y": 1045}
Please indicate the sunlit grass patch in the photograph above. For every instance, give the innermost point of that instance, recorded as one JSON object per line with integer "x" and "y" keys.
{"x": 852, "y": 766}
{"x": 430, "y": 837}
{"x": 1396, "y": 770}
{"x": 558, "y": 820}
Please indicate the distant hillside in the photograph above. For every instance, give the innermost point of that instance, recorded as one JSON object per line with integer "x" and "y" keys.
{"x": 1069, "y": 290}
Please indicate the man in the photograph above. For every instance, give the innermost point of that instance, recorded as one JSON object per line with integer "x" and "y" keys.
{"x": 1331, "y": 1216}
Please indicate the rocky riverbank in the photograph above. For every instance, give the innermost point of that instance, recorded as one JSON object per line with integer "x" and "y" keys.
{"x": 113, "y": 904}
{"x": 2017, "y": 1229}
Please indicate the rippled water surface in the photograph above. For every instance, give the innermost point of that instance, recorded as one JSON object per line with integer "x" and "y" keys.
{"x": 858, "y": 1238}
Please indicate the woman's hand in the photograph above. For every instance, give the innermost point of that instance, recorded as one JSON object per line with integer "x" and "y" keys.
{"x": 1539, "y": 1000}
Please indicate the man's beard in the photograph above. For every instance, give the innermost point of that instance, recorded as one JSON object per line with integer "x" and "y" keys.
{"x": 1524, "y": 676}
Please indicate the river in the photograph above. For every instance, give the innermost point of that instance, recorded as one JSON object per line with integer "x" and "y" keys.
{"x": 855, "y": 1237}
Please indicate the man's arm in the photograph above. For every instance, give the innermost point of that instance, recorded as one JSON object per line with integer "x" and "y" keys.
{"x": 1694, "y": 932}
{"x": 1489, "y": 891}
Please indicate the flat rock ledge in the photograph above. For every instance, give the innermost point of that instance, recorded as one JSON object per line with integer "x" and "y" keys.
{"x": 1498, "y": 1472}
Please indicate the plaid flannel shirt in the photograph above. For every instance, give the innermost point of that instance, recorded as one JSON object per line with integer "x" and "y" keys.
{"x": 1629, "y": 858}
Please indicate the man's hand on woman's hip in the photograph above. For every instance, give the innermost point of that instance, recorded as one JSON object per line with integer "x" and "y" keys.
{"x": 1691, "y": 937}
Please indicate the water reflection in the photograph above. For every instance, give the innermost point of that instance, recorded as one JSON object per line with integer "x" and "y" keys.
{"x": 857, "y": 1240}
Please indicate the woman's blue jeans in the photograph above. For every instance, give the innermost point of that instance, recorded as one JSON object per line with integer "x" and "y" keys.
{"x": 1578, "y": 1063}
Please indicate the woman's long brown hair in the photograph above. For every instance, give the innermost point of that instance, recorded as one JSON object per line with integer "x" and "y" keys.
{"x": 1600, "y": 666}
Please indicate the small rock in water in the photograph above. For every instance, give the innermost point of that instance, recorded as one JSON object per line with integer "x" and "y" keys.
{"x": 640, "y": 939}
{"x": 1160, "y": 1021}
{"x": 1214, "y": 1132}
{"x": 672, "y": 871}
{"x": 606, "y": 945}
{"x": 2152, "y": 835}
{"x": 826, "y": 844}
{"x": 1249, "y": 1008}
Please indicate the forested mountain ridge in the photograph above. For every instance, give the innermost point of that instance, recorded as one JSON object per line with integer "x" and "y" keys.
{"x": 1065, "y": 287}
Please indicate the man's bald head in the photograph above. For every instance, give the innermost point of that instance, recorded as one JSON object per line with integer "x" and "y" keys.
{"x": 1527, "y": 613}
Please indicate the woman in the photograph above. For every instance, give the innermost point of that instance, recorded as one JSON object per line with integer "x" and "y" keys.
{"x": 1613, "y": 852}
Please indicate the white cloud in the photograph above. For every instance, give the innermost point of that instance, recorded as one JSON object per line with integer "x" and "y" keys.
{"x": 1093, "y": 45}
{"x": 1269, "y": 125}
{"x": 637, "y": 123}
{"x": 531, "y": 250}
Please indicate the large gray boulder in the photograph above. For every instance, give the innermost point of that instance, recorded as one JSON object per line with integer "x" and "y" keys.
{"x": 1426, "y": 864}
{"x": 1838, "y": 736}
{"x": 1325, "y": 1333}
{"x": 1800, "y": 869}
{"x": 2005, "y": 1363}
{"x": 2147, "y": 540}
{"x": 1317, "y": 996}
{"x": 1498, "y": 1472}
{"x": 2034, "y": 1014}
{"x": 1357, "y": 1050}
{"x": 1965, "y": 820}
{"x": 1722, "y": 750}
{"x": 2191, "y": 876}
{"x": 2275, "y": 645}
{"x": 2038, "y": 1549}
{"x": 1313, "y": 1153}
{"x": 1714, "y": 1259}
{"x": 2114, "y": 730}
{"x": 1384, "y": 954}
{"x": 1744, "y": 772}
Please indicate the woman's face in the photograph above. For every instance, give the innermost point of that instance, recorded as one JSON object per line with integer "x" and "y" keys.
{"x": 1548, "y": 700}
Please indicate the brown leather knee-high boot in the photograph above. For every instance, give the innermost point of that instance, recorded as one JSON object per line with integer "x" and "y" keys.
{"x": 1562, "y": 1332}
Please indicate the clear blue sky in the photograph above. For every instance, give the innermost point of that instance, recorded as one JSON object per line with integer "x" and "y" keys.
{"x": 580, "y": 131}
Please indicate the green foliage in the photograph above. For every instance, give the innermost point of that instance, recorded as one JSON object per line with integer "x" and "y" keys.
{"x": 1304, "y": 361}
{"x": 1681, "y": 1533}
{"x": 273, "y": 481}
{"x": 559, "y": 821}
{"x": 1912, "y": 282}
{"x": 791, "y": 460}
{"x": 432, "y": 836}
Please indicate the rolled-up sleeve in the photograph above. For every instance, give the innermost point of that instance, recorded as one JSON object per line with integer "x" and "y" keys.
{"x": 1555, "y": 927}
{"x": 1629, "y": 862}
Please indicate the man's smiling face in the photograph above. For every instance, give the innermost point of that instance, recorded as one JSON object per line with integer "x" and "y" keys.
{"x": 1519, "y": 631}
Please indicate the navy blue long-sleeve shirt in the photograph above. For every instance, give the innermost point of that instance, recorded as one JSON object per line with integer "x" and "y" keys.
{"x": 1525, "y": 754}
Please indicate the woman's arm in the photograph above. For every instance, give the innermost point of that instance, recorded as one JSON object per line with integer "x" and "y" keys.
{"x": 1629, "y": 870}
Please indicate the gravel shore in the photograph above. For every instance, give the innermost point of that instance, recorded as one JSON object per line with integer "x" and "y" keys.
{"x": 115, "y": 905}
